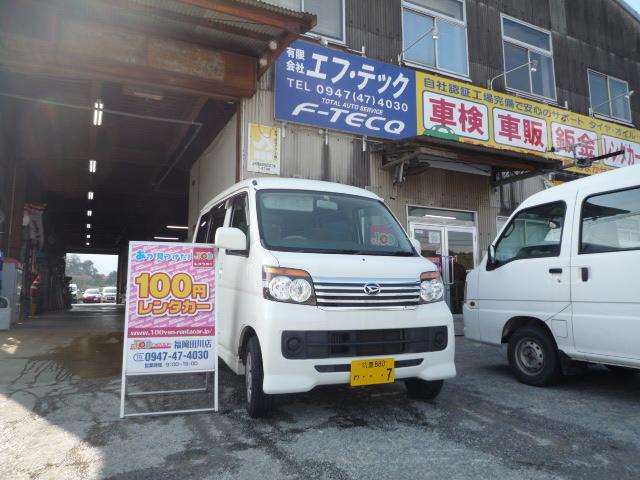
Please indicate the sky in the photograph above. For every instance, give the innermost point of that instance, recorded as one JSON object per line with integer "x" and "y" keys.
{"x": 634, "y": 4}
{"x": 104, "y": 263}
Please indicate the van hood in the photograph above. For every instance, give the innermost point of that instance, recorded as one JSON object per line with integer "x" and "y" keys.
{"x": 324, "y": 265}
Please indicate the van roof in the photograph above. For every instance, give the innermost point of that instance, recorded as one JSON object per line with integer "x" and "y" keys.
{"x": 619, "y": 177}
{"x": 264, "y": 183}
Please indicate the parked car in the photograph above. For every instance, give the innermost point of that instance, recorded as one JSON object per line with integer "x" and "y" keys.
{"x": 73, "y": 288}
{"x": 91, "y": 295}
{"x": 321, "y": 285}
{"x": 559, "y": 284}
{"x": 109, "y": 294}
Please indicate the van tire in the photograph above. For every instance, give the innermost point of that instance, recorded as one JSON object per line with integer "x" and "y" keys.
{"x": 423, "y": 389}
{"x": 626, "y": 371}
{"x": 533, "y": 356}
{"x": 258, "y": 403}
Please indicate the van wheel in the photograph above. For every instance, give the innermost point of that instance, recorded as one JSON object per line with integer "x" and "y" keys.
{"x": 423, "y": 389}
{"x": 258, "y": 403}
{"x": 622, "y": 370}
{"x": 533, "y": 356}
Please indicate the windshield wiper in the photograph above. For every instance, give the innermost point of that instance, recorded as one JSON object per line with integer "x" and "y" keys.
{"x": 396, "y": 253}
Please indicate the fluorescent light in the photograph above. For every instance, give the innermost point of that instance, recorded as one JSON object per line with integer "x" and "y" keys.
{"x": 90, "y": 195}
{"x": 166, "y": 238}
{"x": 92, "y": 166}
{"x": 177, "y": 227}
{"x": 143, "y": 92}
{"x": 441, "y": 216}
{"x": 88, "y": 243}
{"x": 88, "y": 225}
{"x": 89, "y": 213}
{"x": 98, "y": 107}
{"x": 88, "y": 236}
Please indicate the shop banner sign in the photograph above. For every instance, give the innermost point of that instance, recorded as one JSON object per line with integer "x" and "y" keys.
{"x": 170, "y": 321}
{"x": 263, "y": 152}
{"x": 331, "y": 89}
{"x": 458, "y": 111}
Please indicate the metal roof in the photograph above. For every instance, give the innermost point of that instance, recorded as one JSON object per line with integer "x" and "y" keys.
{"x": 193, "y": 20}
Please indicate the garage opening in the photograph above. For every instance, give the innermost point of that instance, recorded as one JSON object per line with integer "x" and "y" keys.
{"x": 104, "y": 107}
{"x": 92, "y": 278}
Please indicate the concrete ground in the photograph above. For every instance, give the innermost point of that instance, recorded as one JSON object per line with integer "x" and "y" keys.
{"x": 59, "y": 407}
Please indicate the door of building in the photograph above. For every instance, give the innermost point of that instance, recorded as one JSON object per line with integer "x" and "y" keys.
{"x": 453, "y": 250}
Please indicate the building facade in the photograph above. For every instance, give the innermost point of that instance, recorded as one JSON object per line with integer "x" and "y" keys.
{"x": 452, "y": 111}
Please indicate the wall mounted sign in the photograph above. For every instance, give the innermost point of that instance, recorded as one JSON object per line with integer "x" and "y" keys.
{"x": 329, "y": 88}
{"x": 332, "y": 89}
{"x": 263, "y": 152}
{"x": 463, "y": 112}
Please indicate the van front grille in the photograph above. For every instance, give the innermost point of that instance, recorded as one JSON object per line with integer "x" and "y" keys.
{"x": 386, "y": 293}
{"x": 362, "y": 343}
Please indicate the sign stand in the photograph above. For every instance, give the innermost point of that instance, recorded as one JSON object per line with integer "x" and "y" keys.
{"x": 190, "y": 270}
{"x": 124, "y": 395}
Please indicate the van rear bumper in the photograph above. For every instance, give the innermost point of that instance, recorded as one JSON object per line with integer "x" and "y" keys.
{"x": 291, "y": 375}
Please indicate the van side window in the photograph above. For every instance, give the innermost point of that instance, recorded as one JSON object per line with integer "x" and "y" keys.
{"x": 217, "y": 220}
{"x": 533, "y": 233}
{"x": 203, "y": 227}
{"x": 611, "y": 222}
{"x": 240, "y": 218}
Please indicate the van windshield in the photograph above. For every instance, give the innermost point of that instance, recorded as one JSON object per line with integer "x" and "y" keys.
{"x": 322, "y": 222}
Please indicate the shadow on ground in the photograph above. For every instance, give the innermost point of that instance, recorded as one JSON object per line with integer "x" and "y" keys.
{"x": 59, "y": 406}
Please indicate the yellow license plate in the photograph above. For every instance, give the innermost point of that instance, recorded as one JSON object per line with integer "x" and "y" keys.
{"x": 372, "y": 371}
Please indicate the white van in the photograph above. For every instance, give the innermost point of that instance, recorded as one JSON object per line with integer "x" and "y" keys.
{"x": 560, "y": 284}
{"x": 319, "y": 285}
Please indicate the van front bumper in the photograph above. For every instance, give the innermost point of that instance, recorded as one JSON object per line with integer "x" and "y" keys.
{"x": 290, "y": 375}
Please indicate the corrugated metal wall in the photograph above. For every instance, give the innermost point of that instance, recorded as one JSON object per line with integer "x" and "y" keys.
{"x": 376, "y": 25}
{"x": 304, "y": 152}
{"x": 440, "y": 189}
{"x": 597, "y": 34}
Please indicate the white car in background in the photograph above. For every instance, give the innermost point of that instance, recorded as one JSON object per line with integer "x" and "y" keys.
{"x": 109, "y": 294}
{"x": 75, "y": 293}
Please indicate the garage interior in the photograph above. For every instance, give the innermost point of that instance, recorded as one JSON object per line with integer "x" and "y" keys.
{"x": 104, "y": 106}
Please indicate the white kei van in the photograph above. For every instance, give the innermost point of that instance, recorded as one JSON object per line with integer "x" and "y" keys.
{"x": 319, "y": 285}
{"x": 560, "y": 284}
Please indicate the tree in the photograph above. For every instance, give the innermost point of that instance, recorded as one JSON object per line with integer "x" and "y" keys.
{"x": 85, "y": 274}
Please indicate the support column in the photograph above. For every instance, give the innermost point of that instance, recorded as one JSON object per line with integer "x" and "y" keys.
{"x": 17, "y": 186}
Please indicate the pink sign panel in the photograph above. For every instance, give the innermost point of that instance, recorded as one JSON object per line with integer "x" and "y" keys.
{"x": 170, "y": 316}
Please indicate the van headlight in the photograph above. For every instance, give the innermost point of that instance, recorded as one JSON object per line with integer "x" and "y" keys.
{"x": 288, "y": 285}
{"x": 431, "y": 287}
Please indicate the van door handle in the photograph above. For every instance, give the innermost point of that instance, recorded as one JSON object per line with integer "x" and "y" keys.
{"x": 555, "y": 270}
{"x": 584, "y": 272}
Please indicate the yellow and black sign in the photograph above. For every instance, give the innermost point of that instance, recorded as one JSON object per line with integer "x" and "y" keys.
{"x": 463, "y": 112}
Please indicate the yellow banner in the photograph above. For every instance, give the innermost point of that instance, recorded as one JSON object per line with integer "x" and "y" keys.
{"x": 465, "y": 113}
{"x": 263, "y": 149}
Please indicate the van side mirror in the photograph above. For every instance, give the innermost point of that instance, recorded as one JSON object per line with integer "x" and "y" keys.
{"x": 416, "y": 245}
{"x": 230, "y": 238}
{"x": 491, "y": 257}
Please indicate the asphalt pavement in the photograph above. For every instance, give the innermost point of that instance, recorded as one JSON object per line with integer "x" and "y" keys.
{"x": 59, "y": 418}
